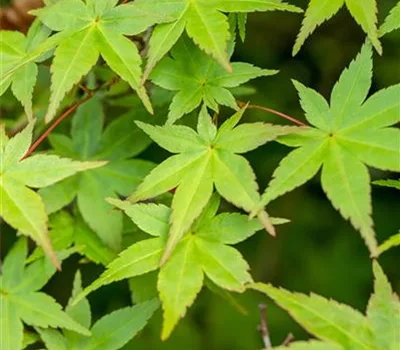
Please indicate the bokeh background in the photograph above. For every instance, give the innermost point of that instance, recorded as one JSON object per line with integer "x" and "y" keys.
{"x": 318, "y": 251}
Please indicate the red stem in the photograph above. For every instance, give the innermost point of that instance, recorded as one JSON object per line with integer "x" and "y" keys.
{"x": 273, "y": 111}
{"x": 56, "y": 122}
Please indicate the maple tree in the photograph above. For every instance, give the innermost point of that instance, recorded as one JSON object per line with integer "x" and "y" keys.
{"x": 134, "y": 81}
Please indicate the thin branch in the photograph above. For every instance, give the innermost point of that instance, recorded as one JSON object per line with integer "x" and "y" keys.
{"x": 289, "y": 338}
{"x": 273, "y": 111}
{"x": 263, "y": 327}
{"x": 52, "y": 127}
{"x": 90, "y": 94}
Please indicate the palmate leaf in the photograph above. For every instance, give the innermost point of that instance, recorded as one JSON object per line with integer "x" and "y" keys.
{"x": 111, "y": 332}
{"x": 21, "y": 302}
{"x": 318, "y": 11}
{"x": 197, "y": 77}
{"x": 14, "y": 46}
{"x": 203, "y": 162}
{"x": 22, "y": 207}
{"x": 388, "y": 183}
{"x": 204, "y": 250}
{"x": 346, "y": 137}
{"x": 339, "y": 324}
{"x": 119, "y": 177}
{"x": 94, "y": 30}
{"x": 204, "y": 22}
{"x": 392, "y": 21}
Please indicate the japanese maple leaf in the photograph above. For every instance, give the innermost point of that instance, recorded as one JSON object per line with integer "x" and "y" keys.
{"x": 318, "y": 11}
{"x": 21, "y": 207}
{"x": 14, "y": 46}
{"x": 345, "y": 137}
{"x": 204, "y": 159}
{"x": 120, "y": 141}
{"x": 338, "y": 326}
{"x": 95, "y": 27}
{"x": 110, "y": 332}
{"x": 22, "y": 302}
{"x": 204, "y": 22}
{"x": 205, "y": 250}
{"x": 198, "y": 77}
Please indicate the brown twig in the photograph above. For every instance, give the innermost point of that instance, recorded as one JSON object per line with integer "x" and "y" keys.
{"x": 57, "y": 121}
{"x": 273, "y": 111}
{"x": 289, "y": 338}
{"x": 263, "y": 327}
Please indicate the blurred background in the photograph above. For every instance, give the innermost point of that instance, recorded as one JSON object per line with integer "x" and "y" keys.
{"x": 318, "y": 251}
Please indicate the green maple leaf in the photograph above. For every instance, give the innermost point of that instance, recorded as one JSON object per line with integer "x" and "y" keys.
{"x": 198, "y": 78}
{"x": 392, "y": 21}
{"x": 110, "y": 332}
{"x": 345, "y": 135}
{"x": 94, "y": 28}
{"x": 23, "y": 208}
{"x": 14, "y": 47}
{"x": 204, "y": 23}
{"x": 340, "y": 325}
{"x": 205, "y": 249}
{"x": 119, "y": 177}
{"x": 363, "y": 11}
{"x": 66, "y": 230}
{"x": 204, "y": 159}
{"x": 20, "y": 299}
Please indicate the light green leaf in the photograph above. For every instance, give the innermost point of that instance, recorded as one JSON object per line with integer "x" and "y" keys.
{"x": 174, "y": 138}
{"x": 136, "y": 260}
{"x": 377, "y": 148}
{"x": 73, "y": 58}
{"x": 162, "y": 40}
{"x": 315, "y": 106}
{"x": 384, "y": 312}
{"x": 11, "y": 328}
{"x": 24, "y": 210}
{"x": 352, "y": 87}
{"x": 52, "y": 338}
{"x": 13, "y": 265}
{"x": 388, "y": 183}
{"x": 197, "y": 77}
{"x": 123, "y": 57}
{"x": 30, "y": 308}
{"x": 190, "y": 198}
{"x": 165, "y": 176}
{"x": 44, "y": 170}
{"x": 392, "y": 21}
{"x": 24, "y": 81}
{"x": 345, "y": 180}
{"x": 150, "y": 218}
{"x": 365, "y": 14}
{"x": 235, "y": 180}
{"x": 247, "y": 137}
{"x": 326, "y": 319}
{"x": 179, "y": 281}
{"x": 229, "y": 228}
{"x": 253, "y": 5}
{"x": 224, "y": 265}
{"x": 294, "y": 170}
{"x": 115, "y": 329}
{"x": 318, "y": 11}
{"x": 64, "y": 15}
{"x": 205, "y": 126}
{"x": 380, "y": 110}
{"x": 391, "y": 242}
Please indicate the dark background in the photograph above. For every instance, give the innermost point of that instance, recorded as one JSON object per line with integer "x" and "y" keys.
{"x": 318, "y": 251}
